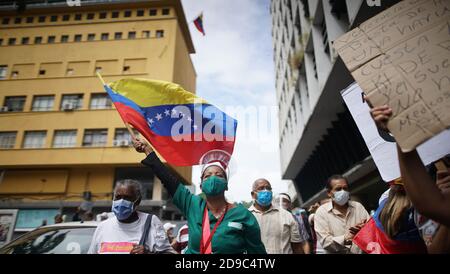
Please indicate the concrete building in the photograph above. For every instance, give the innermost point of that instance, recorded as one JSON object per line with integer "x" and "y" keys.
{"x": 318, "y": 137}
{"x": 62, "y": 144}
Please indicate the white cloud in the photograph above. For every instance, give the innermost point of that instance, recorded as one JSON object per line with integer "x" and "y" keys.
{"x": 234, "y": 64}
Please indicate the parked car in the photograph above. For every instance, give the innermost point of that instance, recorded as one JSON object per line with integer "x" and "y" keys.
{"x": 63, "y": 238}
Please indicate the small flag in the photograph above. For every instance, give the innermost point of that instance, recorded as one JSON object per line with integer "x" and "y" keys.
{"x": 199, "y": 24}
{"x": 182, "y": 127}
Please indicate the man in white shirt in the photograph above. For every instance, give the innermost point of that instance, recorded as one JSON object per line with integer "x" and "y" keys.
{"x": 279, "y": 229}
{"x": 122, "y": 233}
{"x": 338, "y": 221}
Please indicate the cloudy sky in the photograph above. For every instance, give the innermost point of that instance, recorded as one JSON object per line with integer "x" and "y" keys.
{"x": 234, "y": 65}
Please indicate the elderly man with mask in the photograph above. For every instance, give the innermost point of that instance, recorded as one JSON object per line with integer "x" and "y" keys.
{"x": 279, "y": 230}
{"x": 338, "y": 221}
{"x": 123, "y": 232}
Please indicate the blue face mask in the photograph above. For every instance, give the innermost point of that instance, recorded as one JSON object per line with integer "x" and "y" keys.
{"x": 122, "y": 209}
{"x": 214, "y": 185}
{"x": 264, "y": 197}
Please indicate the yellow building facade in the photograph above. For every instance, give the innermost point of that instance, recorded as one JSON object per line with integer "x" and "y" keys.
{"x": 61, "y": 140}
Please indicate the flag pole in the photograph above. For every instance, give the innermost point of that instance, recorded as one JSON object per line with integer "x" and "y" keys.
{"x": 126, "y": 124}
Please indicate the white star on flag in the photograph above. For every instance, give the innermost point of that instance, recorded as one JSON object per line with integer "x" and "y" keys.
{"x": 167, "y": 112}
{"x": 174, "y": 111}
{"x": 158, "y": 116}
{"x": 150, "y": 121}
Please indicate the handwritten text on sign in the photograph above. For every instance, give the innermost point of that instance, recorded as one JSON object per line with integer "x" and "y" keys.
{"x": 401, "y": 58}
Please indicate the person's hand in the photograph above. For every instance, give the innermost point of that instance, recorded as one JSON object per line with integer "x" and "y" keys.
{"x": 141, "y": 146}
{"x": 380, "y": 115}
{"x": 348, "y": 237}
{"x": 443, "y": 181}
{"x": 138, "y": 249}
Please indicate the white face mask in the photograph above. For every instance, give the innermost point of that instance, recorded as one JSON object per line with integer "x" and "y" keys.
{"x": 341, "y": 197}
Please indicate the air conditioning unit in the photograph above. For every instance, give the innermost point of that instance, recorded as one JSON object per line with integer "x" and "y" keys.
{"x": 68, "y": 106}
{"x": 124, "y": 143}
{"x": 4, "y": 109}
{"x": 116, "y": 143}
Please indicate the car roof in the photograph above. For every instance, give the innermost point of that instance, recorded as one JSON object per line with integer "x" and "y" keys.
{"x": 73, "y": 224}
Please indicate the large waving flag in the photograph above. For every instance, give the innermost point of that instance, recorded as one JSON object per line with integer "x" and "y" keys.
{"x": 198, "y": 22}
{"x": 182, "y": 127}
{"x": 372, "y": 238}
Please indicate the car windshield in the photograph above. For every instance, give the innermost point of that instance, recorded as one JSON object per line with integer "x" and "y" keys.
{"x": 63, "y": 240}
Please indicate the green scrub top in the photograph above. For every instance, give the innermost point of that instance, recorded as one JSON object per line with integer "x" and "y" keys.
{"x": 237, "y": 233}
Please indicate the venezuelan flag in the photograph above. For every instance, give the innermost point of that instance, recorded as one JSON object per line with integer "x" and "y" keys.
{"x": 198, "y": 22}
{"x": 182, "y": 127}
{"x": 372, "y": 238}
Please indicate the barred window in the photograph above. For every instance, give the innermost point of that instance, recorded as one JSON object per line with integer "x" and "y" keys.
{"x": 65, "y": 138}
{"x": 43, "y": 103}
{"x": 95, "y": 137}
{"x": 100, "y": 101}
{"x": 7, "y": 139}
{"x": 34, "y": 139}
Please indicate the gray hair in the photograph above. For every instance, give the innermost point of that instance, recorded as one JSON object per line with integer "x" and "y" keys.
{"x": 255, "y": 183}
{"x": 135, "y": 185}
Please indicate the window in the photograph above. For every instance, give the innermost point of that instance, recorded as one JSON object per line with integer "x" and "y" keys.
{"x": 14, "y": 74}
{"x": 90, "y": 16}
{"x": 159, "y": 33}
{"x": 65, "y": 138}
{"x": 153, "y": 12}
{"x": 7, "y": 139}
{"x": 71, "y": 101}
{"x": 95, "y": 137}
{"x": 102, "y": 15}
{"x": 146, "y": 34}
{"x": 43, "y": 103}
{"x": 69, "y": 72}
{"x": 38, "y": 40}
{"x": 51, "y": 39}
{"x": 3, "y": 71}
{"x": 1, "y": 41}
{"x": 78, "y": 17}
{"x": 30, "y": 20}
{"x": 34, "y": 139}
{"x": 12, "y": 41}
{"x": 140, "y": 13}
{"x": 41, "y": 19}
{"x": 53, "y": 18}
{"x": 77, "y": 38}
{"x": 64, "y": 38}
{"x": 98, "y": 70}
{"x": 115, "y": 14}
{"x": 42, "y": 72}
{"x": 118, "y": 35}
{"x": 5, "y": 21}
{"x": 165, "y": 11}
{"x": 126, "y": 68}
{"x": 121, "y": 135}
{"x": 91, "y": 37}
{"x": 14, "y": 103}
{"x": 18, "y": 20}
{"x": 25, "y": 40}
{"x": 66, "y": 17}
{"x": 105, "y": 36}
{"x": 131, "y": 35}
{"x": 127, "y": 13}
{"x": 100, "y": 101}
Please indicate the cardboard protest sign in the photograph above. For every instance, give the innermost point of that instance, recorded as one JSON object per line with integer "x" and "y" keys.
{"x": 400, "y": 58}
{"x": 382, "y": 149}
